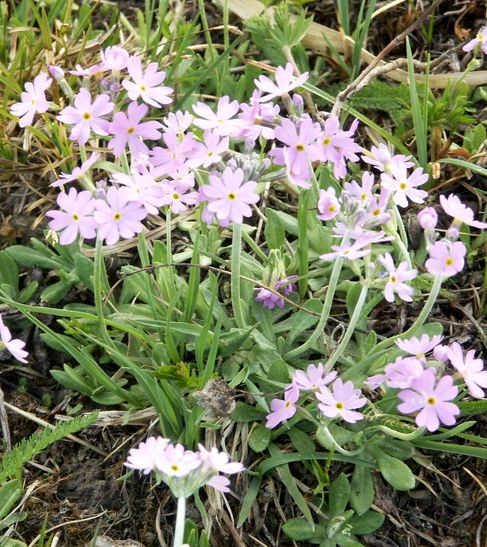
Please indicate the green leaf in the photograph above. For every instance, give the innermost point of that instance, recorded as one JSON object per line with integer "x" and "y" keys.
{"x": 10, "y": 492}
{"x": 362, "y": 490}
{"x": 367, "y": 523}
{"x": 247, "y": 413}
{"x": 302, "y": 441}
{"x": 301, "y": 530}
{"x": 259, "y": 438}
{"x": 26, "y": 256}
{"x": 274, "y": 230}
{"x": 396, "y": 472}
{"x": 9, "y": 272}
{"x": 339, "y": 494}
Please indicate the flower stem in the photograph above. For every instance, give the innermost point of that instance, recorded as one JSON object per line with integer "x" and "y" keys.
{"x": 325, "y": 312}
{"x": 350, "y": 329}
{"x": 329, "y": 437}
{"x": 235, "y": 275}
{"x": 402, "y": 241}
{"x": 180, "y": 518}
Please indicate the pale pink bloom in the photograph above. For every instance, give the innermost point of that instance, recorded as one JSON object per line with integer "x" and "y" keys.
{"x": 77, "y": 172}
{"x": 300, "y": 149}
{"x": 403, "y": 186}
{"x": 257, "y": 118}
{"x": 12, "y": 345}
{"x": 440, "y": 353}
{"x": 314, "y": 378}
{"x": 128, "y": 128}
{"x": 431, "y": 399}
{"x": 177, "y": 194}
{"x": 395, "y": 279}
{"x": 96, "y": 70}
{"x": 402, "y": 372}
{"x": 373, "y": 382}
{"x": 446, "y": 258}
{"x": 218, "y": 462}
{"x": 146, "y": 455}
{"x": 178, "y": 121}
{"x": 357, "y": 249}
{"x": 174, "y": 157}
{"x": 56, "y": 72}
{"x": 282, "y": 410}
{"x": 328, "y": 204}
{"x": 114, "y": 58}
{"x": 419, "y": 347}
{"x": 428, "y": 218}
{"x": 377, "y": 213}
{"x": 471, "y": 369}
{"x": 460, "y": 212}
{"x": 360, "y": 193}
{"x": 341, "y": 401}
{"x": 176, "y": 461}
{"x": 117, "y": 216}
{"x": 481, "y": 39}
{"x": 269, "y": 299}
{"x": 229, "y": 198}
{"x": 86, "y": 117}
{"x": 285, "y": 82}
{"x": 209, "y": 151}
{"x": 336, "y": 145}
{"x": 76, "y": 216}
{"x": 142, "y": 187}
{"x": 223, "y": 121}
{"x": 382, "y": 159}
{"x": 32, "y": 100}
{"x": 146, "y": 84}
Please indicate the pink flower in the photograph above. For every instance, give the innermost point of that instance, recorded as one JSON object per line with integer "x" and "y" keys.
{"x": 229, "y": 198}
{"x": 460, "y": 212}
{"x": 215, "y": 461}
{"x": 146, "y": 455}
{"x": 432, "y": 400}
{"x": 114, "y": 58}
{"x": 174, "y": 157}
{"x": 357, "y": 249}
{"x": 176, "y": 194}
{"x": 336, "y": 145}
{"x": 383, "y": 160}
{"x": 440, "y": 353}
{"x": 314, "y": 378}
{"x": 128, "y": 128}
{"x": 285, "y": 81}
{"x": 77, "y": 172}
{"x": 142, "y": 187}
{"x": 396, "y": 278}
{"x": 328, "y": 204}
{"x": 446, "y": 258}
{"x": 282, "y": 410}
{"x": 146, "y": 85}
{"x": 86, "y": 116}
{"x": 481, "y": 39}
{"x": 76, "y": 216}
{"x": 223, "y": 121}
{"x": 287, "y": 286}
{"x": 178, "y": 121}
{"x": 404, "y": 186}
{"x": 360, "y": 193}
{"x": 428, "y": 218}
{"x": 254, "y": 117}
{"x": 117, "y": 216}
{"x": 33, "y": 100}
{"x": 341, "y": 401}
{"x": 176, "y": 461}
{"x": 402, "y": 372}
{"x": 269, "y": 299}
{"x": 208, "y": 152}
{"x": 471, "y": 369}
{"x": 14, "y": 346}
{"x": 301, "y": 149}
{"x": 419, "y": 346}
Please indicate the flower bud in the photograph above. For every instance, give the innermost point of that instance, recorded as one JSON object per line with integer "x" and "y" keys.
{"x": 428, "y": 218}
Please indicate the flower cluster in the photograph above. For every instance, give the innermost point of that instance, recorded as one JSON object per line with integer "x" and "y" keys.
{"x": 184, "y": 471}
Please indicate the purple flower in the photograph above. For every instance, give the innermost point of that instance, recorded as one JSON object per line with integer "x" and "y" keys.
{"x": 383, "y": 160}
{"x": 419, "y": 347}
{"x": 117, "y": 216}
{"x": 14, "y": 346}
{"x": 176, "y": 193}
{"x": 404, "y": 186}
{"x": 460, "y": 212}
{"x": 56, "y": 72}
{"x": 229, "y": 198}
{"x": 336, "y": 145}
{"x": 433, "y": 401}
{"x": 255, "y": 117}
{"x": 114, "y": 58}
{"x": 341, "y": 400}
{"x": 128, "y": 128}
{"x": 208, "y": 152}
{"x": 32, "y": 100}
{"x": 178, "y": 121}
{"x": 282, "y": 410}
{"x": 481, "y": 39}
{"x": 357, "y": 249}
{"x": 176, "y": 461}
{"x": 145, "y": 456}
{"x": 402, "y": 372}
{"x": 285, "y": 82}
{"x": 328, "y": 204}
{"x": 77, "y": 172}
{"x": 142, "y": 187}
{"x": 363, "y": 193}
{"x": 76, "y": 216}
{"x": 446, "y": 258}
{"x": 471, "y": 369}
{"x": 86, "y": 116}
{"x": 428, "y": 218}
{"x": 146, "y": 85}
{"x": 314, "y": 378}
{"x": 215, "y": 461}
{"x": 396, "y": 276}
{"x": 301, "y": 149}
{"x": 174, "y": 157}
{"x": 269, "y": 299}
{"x": 287, "y": 286}
{"x": 223, "y": 121}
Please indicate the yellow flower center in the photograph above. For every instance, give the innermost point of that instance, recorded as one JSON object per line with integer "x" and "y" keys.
{"x": 131, "y": 130}
{"x": 33, "y": 102}
{"x": 75, "y": 217}
{"x": 117, "y": 216}
{"x": 326, "y": 141}
{"x": 175, "y": 196}
{"x": 376, "y": 212}
{"x": 143, "y": 88}
{"x": 174, "y": 467}
{"x": 331, "y": 208}
{"x": 300, "y": 147}
{"x": 431, "y": 401}
{"x": 363, "y": 196}
{"x": 449, "y": 261}
{"x": 86, "y": 116}
{"x": 403, "y": 186}
{"x": 288, "y": 404}
{"x": 232, "y": 196}
{"x": 340, "y": 406}
{"x": 393, "y": 279}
